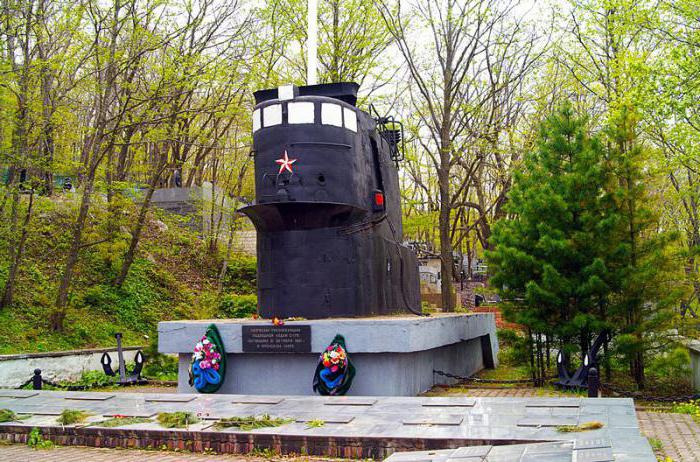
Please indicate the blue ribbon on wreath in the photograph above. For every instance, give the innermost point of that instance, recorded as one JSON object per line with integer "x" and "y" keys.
{"x": 326, "y": 377}
{"x": 202, "y": 377}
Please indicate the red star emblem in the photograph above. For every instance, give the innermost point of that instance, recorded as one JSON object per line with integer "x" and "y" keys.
{"x": 285, "y": 163}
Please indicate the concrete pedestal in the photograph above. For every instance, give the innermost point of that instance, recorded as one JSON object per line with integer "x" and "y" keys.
{"x": 694, "y": 350}
{"x": 394, "y": 356}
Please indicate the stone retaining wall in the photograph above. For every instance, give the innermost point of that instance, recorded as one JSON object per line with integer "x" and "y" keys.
{"x": 501, "y": 323}
{"x": 56, "y": 365}
{"x": 345, "y": 447}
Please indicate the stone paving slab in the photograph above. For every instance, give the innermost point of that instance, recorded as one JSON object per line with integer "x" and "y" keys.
{"x": 17, "y": 394}
{"x": 375, "y": 425}
{"x": 89, "y": 396}
{"x": 23, "y": 453}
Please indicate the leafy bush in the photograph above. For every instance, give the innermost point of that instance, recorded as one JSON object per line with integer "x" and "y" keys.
{"x": 513, "y": 348}
{"x": 237, "y": 306}
{"x": 36, "y": 441}
{"x": 672, "y": 366}
{"x": 159, "y": 366}
{"x": 95, "y": 379}
{"x": 176, "y": 419}
{"x": 241, "y": 274}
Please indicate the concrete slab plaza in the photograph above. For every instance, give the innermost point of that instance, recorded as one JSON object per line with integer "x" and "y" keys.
{"x": 355, "y": 427}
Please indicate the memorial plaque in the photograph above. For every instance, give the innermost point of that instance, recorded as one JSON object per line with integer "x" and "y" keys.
{"x": 435, "y": 420}
{"x": 89, "y": 396}
{"x": 598, "y": 443}
{"x": 473, "y": 451}
{"x": 171, "y": 399}
{"x": 594, "y": 455}
{"x": 277, "y": 339}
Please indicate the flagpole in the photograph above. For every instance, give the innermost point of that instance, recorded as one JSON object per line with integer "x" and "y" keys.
{"x": 312, "y": 42}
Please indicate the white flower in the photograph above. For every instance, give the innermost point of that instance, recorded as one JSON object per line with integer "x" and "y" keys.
{"x": 198, "y": 355}
{"x": 205, "y": 341}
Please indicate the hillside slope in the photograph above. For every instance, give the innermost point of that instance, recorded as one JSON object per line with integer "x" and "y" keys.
{"x": 173, "y": 277}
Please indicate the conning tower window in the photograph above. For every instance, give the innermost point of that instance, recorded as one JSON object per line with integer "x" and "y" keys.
{"x": 272, "y": 115}
{"x": 331, "y": 114}
{"x": 257, "y": 120}
{"x": 300, "y": 113}
{"x": 303, "y": 112}
{"x": 350, "y": 118}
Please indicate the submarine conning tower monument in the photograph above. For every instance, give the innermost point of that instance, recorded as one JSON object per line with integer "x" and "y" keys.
{"x": 327, "y": 207}
{"x": 331, "y": 267}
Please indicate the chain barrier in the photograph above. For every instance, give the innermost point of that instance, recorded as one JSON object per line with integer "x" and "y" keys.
{"x": 25, "y": 384}
{"x": 60, "y": 386}
{"x": 609, "y": 387}
{"x": 68, "y": 387}
{"x": 492, "y": 381}
{"x": 605, "y": 387}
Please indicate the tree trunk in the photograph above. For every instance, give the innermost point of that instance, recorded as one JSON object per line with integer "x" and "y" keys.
{"x": 227, "y": 257}
{"x": 14, "y": 216}
{"x": 8, "y": 293}
{"x": 59, "y": 313}
{"x": 444, "y": 224}
{"x": 138, "y": 229}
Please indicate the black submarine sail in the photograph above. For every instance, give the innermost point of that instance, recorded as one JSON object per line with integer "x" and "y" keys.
{"x": 327, "y": 209}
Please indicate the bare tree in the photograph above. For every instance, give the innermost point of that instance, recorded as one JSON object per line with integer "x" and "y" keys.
{"x": 449, "y": 60}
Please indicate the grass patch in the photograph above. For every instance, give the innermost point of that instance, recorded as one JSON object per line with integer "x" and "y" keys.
{"x": 506, "y": 373}
{"x": 6, "y": 415}
{"x": 594, "y": 425}
{"x": 656, "y": 444}
{"x": 691, "y": 408}
{"x": 252, "y": 422}
{"x": 315, "y": 423}
{"x": 72, "y": 416}
{"x": 176, "y": 419}
{"x": 121, "y": 421}
{"x": 267, "y": 453}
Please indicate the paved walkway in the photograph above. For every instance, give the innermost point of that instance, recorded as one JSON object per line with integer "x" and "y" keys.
{"x": 495, "y": 392}
{"x": 22, "y": 453}
{"x": 678, "y": 434}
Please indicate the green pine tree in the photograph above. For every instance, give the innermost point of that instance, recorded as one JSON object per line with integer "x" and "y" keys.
{"x": 548, "y": 258}
{"x": 639, "y": 253}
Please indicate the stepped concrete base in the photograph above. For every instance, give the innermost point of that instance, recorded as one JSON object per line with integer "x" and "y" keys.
{"x": 394, "y": 356}
{"x": 484, "y": 429}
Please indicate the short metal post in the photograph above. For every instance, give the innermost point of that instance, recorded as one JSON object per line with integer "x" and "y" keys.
{"x": 37, "y": 380}
{"x": 593, "y": 383}
{"x": 120, "y": 353}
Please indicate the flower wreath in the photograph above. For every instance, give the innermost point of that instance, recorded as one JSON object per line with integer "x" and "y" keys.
{"x": 208, "y": 366}
{"x": 335, "y": 371}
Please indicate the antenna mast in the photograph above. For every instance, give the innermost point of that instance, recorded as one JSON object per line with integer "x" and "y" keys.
{"x": 312, "y": 42}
